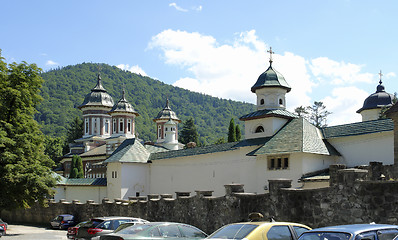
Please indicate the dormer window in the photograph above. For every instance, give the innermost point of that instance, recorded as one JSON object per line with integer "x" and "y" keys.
{"x": 259, "y": 129}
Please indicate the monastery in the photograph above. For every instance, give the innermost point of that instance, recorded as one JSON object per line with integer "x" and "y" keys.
{"x": 277, "y": 144}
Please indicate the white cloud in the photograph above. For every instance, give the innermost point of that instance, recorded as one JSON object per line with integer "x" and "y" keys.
{"x": 229, "y": 70}
{"x": 178, "y": 8}
{"x": 133, "y": 69}
{"x": 339, "y": 73}
{"x": 343, "y": 103}
{"x": 51, "y": 63}
{"x": 198, "y": 8}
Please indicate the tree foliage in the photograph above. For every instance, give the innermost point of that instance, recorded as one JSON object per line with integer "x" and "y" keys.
{"x": 74, "y": 131}
{"x": 238, "y": 133}
{"x": 189, "y": 132}
{"x": 64, "y": 90}
{"x": 76, "y": 167}
{"x": 384, "y": 109}
{"x": 315, "y": 114}
{"x": 232, "y": 131}
{"x": 53, "y": 147}
{"x": 26, "y": 175}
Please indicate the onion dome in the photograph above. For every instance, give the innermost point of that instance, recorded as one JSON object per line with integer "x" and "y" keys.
{"x": 123, "y": 106}
{"x": 271, "y": 78}
{"x": 98, "y": 97}
{"x": 167, "y": 114}
{"x": 379, "y": 99}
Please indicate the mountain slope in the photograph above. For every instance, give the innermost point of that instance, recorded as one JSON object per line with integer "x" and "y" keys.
{"x": 65, "y": 88}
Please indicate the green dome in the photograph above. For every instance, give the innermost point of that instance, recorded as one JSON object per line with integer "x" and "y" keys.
{"x": 271, "y": 78}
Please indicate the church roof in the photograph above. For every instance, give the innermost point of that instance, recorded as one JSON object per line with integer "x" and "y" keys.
{"x": 123, "y": 106}
{"x": 209, "y": 149}
{"x": 379, "y": 99}
{"x": 358, "y": 128}
{"x": 97, "y": 97}
{"x": 130, "y": 150}
{"x": 269, "y": 113}
{"x": 166, "y": 113}
{"x": 298, "y": 135}
{"x": 271, "y": 78}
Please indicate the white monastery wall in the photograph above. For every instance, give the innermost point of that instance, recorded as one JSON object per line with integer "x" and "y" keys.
{"x": 135, "y": 180}
{"x": 114, "y": 180}
{"x": 203, "y": 172}
{"x": 362, "y": 149}
{"x": 270, "y": 125}
{"x": 81, "y": 193}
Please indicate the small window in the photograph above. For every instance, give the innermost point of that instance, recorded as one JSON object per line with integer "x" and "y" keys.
{"x": 285, "y": 163}
{"x": 262, "y": 102}
{"x": 129, "y": 125}
{"x": 279, "y": 162}
{"x": 259, "y": 129}
{"x": 272, "y": 164}
{"x": 280, "y": 102}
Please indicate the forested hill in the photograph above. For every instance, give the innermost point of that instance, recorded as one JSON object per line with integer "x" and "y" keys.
{"x": 64, "y": 90}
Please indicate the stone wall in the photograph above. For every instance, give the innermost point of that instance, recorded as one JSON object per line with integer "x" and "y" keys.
{"x": 355, "y": 196}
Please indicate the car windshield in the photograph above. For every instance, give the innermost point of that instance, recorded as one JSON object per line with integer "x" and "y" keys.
{"x": 325, "y": 236}
{"x": 134, "y": 229}
{"x": 234, "y": 231}
{"x": 92, "y": 223}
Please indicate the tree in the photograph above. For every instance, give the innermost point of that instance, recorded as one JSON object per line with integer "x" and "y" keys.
{"x": 189, "y": 132}
{"x": 301, "y": 111}
{"x": 53, "y": 147}
{"x": 318, "y": 114}
{"x": 26, "y": 176}
{"x": 238, "y": 133}
{"x": 75, "y": 131}
{"x": 384, "y": 109}
{"x": 76, "y": 167}
{"x": 231, "y": 131}
{"x": 220, "y": 141}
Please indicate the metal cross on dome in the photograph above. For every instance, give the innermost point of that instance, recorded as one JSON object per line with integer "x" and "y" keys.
{"x": 270, "y": 54}
{"x": 380, "y": 74}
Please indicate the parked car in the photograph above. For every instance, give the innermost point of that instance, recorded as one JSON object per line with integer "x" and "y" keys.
{"x": 353, "y": 232}
{"x": 72, "y": 231}
{"x": 4, "y": 224}
{"x": 103, "y": 225}
{"x": 2, "y": 231}
{"x": 260, "y": 230}
{"x": 63, "y": 221}
{"x": 156, "y": 230}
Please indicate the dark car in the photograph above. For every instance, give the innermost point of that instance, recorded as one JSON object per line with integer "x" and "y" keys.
{"x": 103, "y": 225}
{"x": 156, "y": 230}
{"x": 353, "y": 232}
{"x": 2, "y": 231}
{"x": 72, "y": 231}
{"x": 63, "y": 221}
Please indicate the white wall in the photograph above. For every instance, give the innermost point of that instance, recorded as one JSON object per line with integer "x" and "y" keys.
{"x": 271, "y": 126}
{"x": 134, "y": 178}
{"x": 81, "y": 193}
{"x": 203, "y": 172}
{"x": 114, "y": 183}
{"x": 362, "y": 149}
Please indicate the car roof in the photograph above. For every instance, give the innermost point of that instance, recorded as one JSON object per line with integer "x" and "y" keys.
{"x": 271, "y": 223}
{"x": 114, "y": 217}
{"x": 355, "y": 228}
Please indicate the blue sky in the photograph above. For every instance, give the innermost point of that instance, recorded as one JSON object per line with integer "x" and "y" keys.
{"x": 330, "y": 51}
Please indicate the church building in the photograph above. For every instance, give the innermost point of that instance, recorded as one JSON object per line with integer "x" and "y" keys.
{"x": 277, "y": 144}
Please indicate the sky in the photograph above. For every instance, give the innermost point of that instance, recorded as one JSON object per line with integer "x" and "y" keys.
{"x": 330, "y": 51}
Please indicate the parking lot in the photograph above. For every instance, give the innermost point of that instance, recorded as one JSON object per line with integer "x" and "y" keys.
{"x": 24, "y": 232}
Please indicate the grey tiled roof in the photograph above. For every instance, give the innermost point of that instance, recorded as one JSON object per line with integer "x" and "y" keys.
{"x": 83, "y": 182}
{"x": 269, "y": 113}
{"x": 358, "y": 128}
{"x": 129, "y": 151}
{"x": 298, "y": 135}
{"x": 208, "y": 149}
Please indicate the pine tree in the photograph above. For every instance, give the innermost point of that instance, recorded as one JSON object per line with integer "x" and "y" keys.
{"x": 73, "y": 167}
{"x": 318, "y": 114}
{"x": 189, "y": 132}
{"x": 231, "y": 131}
{"x": 238, "y": 133}
{"x": 75, "y": 131}
{"x": 79, "y": 166}
{"x": 26, "y": 176}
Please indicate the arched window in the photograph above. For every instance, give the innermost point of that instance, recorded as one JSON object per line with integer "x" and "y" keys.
{"x": 121, "y": 125}
{"x": 262, "y": 102}
{"x": 259, "y": 129}
{"x": 129, "y": 125}
{"x": 280, "y": 102}
{"x": 114, "y": 126}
